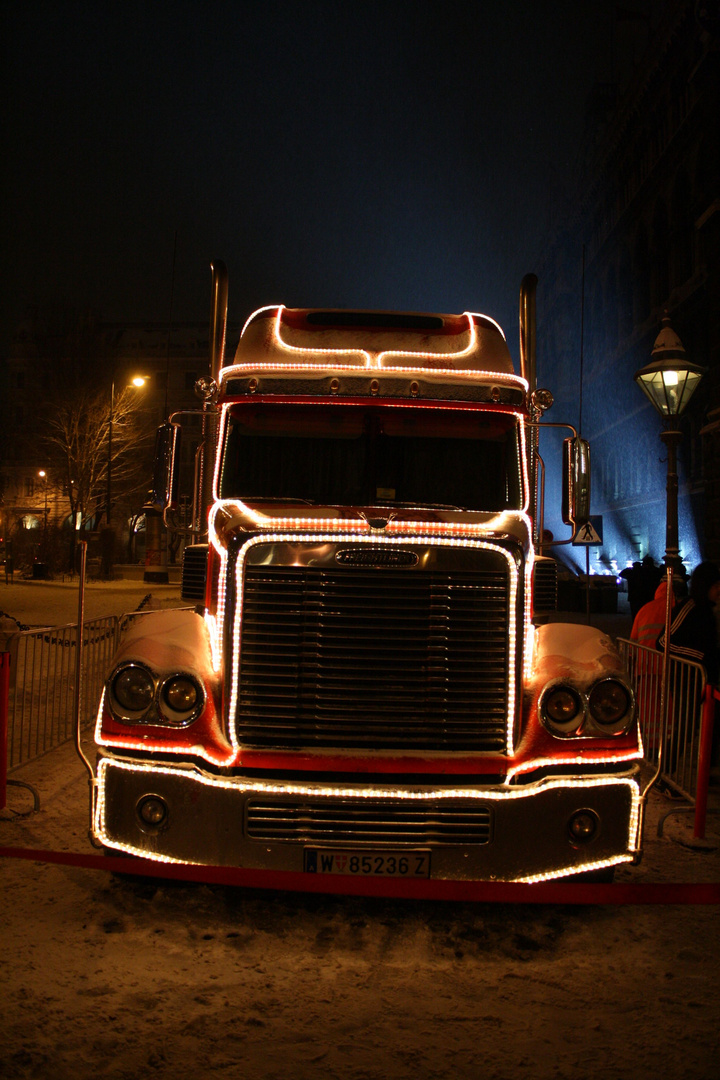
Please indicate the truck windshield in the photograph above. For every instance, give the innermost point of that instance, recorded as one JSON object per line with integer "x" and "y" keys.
{"x": 358, "y": 455}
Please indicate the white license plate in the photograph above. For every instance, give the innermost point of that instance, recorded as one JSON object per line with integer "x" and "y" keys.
{"x": 402, "y": 864}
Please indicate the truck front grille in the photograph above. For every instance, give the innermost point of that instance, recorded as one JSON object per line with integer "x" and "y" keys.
{"x": 360, "y": 821}
{"x": 361, "y": 658}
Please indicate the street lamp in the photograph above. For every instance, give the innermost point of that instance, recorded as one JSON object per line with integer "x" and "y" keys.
{"x": 137, "y": 381}
{"x": 43, "y": 475}
{"x": 669, "y": 381}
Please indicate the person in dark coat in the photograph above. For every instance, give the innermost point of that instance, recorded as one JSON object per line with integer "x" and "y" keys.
{"x": 693, "y": 631}
{"x": 632, "y": 574}
{"x": 649, "y": 578}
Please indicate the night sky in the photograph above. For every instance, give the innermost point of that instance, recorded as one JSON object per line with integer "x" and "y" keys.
{"x": 371, "y": 154}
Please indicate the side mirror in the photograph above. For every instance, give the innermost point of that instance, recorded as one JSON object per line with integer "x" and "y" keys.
{"x": 576, "y": 481}
{"x": 164, "y": 494}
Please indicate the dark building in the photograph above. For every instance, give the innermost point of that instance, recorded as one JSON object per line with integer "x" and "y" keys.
{"x": 638, "y": 237}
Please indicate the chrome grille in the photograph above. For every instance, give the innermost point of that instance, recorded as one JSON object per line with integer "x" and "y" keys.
{"x": 367, "y": 658}
{"x": 361, "y": 821}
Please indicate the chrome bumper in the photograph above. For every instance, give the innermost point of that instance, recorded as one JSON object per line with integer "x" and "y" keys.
{"x": 209, "y": 821}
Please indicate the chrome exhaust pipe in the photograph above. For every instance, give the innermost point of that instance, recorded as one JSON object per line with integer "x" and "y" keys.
{"x": 528, "y": 360}
{"x": 528, "y": 370}
{"x": 218, "y": 317}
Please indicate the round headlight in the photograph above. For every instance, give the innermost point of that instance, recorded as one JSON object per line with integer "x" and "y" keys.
{"x": 181, "y": 694}
{"x": 133, "y": 689}
{"x": 561, "y": 709}
{"x": 181, "y": 699}
{"x": 610, "y": 704}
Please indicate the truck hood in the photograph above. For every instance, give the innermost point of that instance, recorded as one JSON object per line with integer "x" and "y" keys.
{"x": 233, "y": 518}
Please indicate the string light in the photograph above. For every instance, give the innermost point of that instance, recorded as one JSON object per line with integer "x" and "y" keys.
{"x": 315, "y": 538}
{"x": 260, "y": 788}
{"x": 375, "y": 361}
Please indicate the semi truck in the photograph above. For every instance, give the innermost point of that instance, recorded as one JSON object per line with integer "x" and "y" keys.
{"x": 369, "y": 680}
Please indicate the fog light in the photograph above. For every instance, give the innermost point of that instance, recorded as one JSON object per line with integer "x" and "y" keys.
{"x": 583, "y": 826}
{"x": 152, "y": 811}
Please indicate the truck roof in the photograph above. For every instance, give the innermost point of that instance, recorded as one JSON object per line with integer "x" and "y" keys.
{"x": 461, "y": 350}
{"x": 374, "y": 339}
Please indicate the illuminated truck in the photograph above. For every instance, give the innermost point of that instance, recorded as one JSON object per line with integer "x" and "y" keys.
{"x": 370, "y": 683}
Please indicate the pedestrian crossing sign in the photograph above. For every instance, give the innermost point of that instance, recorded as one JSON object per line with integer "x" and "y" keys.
{"x": 590, "y": 532}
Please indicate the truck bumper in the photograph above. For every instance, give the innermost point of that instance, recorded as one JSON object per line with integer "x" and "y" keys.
{"x": 549, "y": 829}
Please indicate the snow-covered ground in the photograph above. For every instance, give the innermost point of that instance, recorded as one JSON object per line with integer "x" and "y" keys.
{"x": 118, "y": 977}
{"x": 113, "y": 977}
{"x": 54, "y": 603}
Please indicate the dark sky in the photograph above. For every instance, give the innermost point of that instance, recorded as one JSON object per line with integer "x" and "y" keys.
{"x": 349, "y": 153}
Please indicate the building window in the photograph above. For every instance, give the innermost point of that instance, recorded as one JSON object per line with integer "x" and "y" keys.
{"x": 29, "y": 487}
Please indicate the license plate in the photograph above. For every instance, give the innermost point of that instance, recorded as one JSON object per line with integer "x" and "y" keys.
{"x": 402, "y": 864}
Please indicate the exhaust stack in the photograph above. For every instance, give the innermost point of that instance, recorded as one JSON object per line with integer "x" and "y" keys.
{"x": 206, "y": 462}
{"x": 528, "y": 370}
{"x": 218, "y": 318}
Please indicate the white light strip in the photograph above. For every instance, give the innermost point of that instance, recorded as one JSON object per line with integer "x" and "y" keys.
{"x": 576, "y": 759}
{"x": 573, "y": 868}
{"x": 259, "y": 787}
{"x": 374, "y": 362}
{"x": 315, "y": 538}
{"x": 259, "y": 311}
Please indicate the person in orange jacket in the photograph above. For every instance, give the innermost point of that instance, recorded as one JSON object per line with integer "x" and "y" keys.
{"x": 648, "y": 625}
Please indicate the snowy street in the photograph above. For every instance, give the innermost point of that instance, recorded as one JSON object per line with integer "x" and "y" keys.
{"x": 112, "y": 977}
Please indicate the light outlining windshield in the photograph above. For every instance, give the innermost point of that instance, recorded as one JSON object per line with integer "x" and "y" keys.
{"x": 365, "y": 455}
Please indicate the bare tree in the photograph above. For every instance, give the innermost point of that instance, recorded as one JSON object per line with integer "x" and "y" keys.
{"x": 78, "y": 437}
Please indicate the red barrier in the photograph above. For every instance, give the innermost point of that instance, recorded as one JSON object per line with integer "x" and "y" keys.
{"x": 499, "y": 892}
{"x": 4, "y": 713}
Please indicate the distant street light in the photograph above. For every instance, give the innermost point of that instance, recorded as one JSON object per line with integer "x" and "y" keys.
{"x": 669, "y": 381}
{"x": 43, "y": 476}
{"x": 137, "y": 381}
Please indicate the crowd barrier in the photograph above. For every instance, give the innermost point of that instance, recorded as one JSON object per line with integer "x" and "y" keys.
{"x": 676, "y": 732}
{"x": 40, "y": 701}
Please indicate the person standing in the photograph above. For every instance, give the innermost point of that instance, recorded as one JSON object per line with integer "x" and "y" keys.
{"x": 693, "y": 631}
{"x": 647, "y": 626}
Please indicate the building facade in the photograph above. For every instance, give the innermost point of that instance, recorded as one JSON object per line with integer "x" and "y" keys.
{"x": 640, "y": 237}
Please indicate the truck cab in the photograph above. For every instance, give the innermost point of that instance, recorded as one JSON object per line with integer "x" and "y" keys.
{"x": 369, "y": 684}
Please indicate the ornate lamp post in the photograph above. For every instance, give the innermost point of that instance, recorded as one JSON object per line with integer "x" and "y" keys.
{"x": 669, "y": 381}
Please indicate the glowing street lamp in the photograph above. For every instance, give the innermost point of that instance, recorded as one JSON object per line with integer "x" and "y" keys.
{"x": 137, "y": 381}
{"x": 669, "y": 381}
{"x": 43, "y": 476}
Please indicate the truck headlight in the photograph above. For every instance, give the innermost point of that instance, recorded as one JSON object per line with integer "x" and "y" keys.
{"x": 132, "y": 689}
{"x": 610, "y": 704}
{"x": 562, "y": 709}
{"x": 181, "y": 699}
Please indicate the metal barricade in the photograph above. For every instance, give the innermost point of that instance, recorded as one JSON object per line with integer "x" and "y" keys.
{"x": 674, "y": 741}
{"x": 42, "y": 686}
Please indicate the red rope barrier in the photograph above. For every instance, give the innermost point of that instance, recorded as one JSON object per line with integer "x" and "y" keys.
{"x": 505, "y": 892}
{"x": 4, "y": 713}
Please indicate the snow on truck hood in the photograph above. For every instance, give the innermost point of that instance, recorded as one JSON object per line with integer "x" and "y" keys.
{"x": 581, "y": 654}
{"x": 175, "y": 639}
